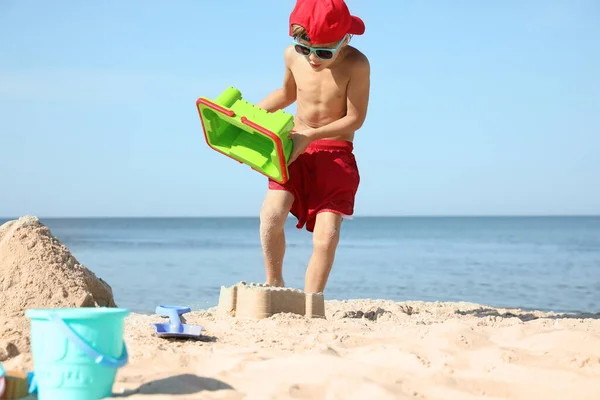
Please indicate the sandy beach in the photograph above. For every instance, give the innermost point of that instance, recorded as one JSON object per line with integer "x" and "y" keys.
{"x": 362, "y": 349}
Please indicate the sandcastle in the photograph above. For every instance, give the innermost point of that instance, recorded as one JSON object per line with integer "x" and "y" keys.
{"x": 258, "y": 301}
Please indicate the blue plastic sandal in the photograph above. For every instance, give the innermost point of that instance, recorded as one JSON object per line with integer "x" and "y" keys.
{"x": 175, "y": 328}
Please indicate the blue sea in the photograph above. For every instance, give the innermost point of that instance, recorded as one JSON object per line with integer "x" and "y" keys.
{"x": 546, "y": 263}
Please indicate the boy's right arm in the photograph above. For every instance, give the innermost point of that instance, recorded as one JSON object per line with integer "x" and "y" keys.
{"x": 286, "y": 95}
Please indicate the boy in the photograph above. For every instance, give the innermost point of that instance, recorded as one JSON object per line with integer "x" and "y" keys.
{"x": 330, "y": 81}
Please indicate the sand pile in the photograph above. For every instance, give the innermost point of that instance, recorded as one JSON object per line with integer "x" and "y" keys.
{"x": 38, "y": 271}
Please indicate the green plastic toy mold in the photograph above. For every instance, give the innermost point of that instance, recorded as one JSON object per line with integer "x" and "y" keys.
{"x": 247, "y": 133}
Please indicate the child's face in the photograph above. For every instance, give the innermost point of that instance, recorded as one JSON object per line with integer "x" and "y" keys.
{"x": 319, "y": 56}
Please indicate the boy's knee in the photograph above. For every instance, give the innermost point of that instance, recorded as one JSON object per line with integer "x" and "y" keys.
{"x": 273, "y": 217}
{"x": 326, "y": 238}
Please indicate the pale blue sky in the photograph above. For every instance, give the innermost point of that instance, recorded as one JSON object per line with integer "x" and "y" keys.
{"x": 477, "y": 107}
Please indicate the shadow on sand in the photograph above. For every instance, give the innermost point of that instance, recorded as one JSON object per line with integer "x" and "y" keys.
{"x": 490, "y": 312}
{"x": 177, "y": 385}
{"x": 203, "y": 338}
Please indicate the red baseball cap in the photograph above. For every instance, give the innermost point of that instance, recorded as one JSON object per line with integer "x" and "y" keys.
{"x": 325, "y": 21}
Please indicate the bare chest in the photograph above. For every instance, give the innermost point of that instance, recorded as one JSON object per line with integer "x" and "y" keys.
{"x": 325, "y": 87}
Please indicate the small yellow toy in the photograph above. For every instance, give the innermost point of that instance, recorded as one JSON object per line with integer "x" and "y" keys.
{"x": 15, "y": 385}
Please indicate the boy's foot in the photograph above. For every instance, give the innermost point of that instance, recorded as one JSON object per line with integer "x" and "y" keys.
{"x": 276, "y": 283}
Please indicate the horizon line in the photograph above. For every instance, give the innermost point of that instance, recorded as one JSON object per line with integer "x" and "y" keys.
{"x": 355, "y": 216}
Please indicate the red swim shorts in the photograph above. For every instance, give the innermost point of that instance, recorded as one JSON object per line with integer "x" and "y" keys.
{"x": 323, "y": 178}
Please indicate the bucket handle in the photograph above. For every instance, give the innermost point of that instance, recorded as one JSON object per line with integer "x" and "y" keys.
{"x": 99, "y": 358}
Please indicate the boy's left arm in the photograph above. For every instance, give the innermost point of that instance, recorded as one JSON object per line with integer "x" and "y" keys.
{"x": 357, "y": 102}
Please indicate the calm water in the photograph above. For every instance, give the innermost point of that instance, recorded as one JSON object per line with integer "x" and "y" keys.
{"x": 549, "y": 263}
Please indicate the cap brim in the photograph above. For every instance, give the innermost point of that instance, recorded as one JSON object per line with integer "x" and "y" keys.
{"x": 357, "y": 27}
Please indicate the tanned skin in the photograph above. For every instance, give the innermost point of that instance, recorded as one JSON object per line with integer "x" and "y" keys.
{"x": 332, "y": 98}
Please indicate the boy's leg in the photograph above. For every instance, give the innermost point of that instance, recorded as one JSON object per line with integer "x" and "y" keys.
{"x": 326, "y": 237}
{"x": 273, "y": 214}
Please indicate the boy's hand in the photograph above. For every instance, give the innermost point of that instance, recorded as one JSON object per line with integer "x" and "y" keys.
{"x": 301, "y": 141}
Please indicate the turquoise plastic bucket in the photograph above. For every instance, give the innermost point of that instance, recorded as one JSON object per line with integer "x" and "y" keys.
{"x": 77, "y": 351}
